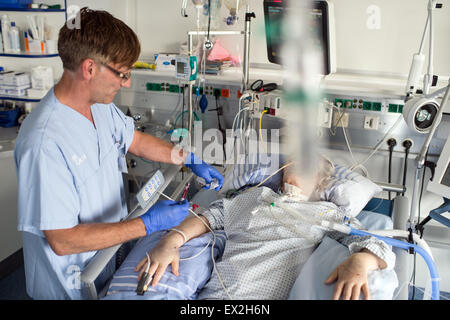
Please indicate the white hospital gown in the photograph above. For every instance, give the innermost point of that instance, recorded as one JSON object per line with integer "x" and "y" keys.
{"x": 267, "y": 246}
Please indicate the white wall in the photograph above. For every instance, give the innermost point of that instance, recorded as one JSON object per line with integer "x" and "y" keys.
{"x": 358, "y": 48}
{"x": 387, "y": 50}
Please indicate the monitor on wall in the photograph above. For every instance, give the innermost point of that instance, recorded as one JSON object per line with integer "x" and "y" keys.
{"x": 321, "y": 13}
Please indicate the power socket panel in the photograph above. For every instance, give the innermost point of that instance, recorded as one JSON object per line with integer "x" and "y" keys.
{"x": 341, "y": 120}
{"x": 371, "y": 122}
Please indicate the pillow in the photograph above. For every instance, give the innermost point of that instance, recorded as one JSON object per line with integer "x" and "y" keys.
{"x": 329, "y": 254}
{"x": 349, "y": 190}
{"x": 375, "y": 221}
{"x": 193, "y": 273}
{"x": 204, "y": 197}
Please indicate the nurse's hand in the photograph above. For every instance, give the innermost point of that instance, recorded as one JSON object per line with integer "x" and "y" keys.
{"x": 165, "y": 214}
{"x": 163, "y": 254}
{"x": 204, "y": 170}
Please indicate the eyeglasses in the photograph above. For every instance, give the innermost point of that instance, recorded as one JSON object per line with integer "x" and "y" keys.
{"x": 123, "y": 76}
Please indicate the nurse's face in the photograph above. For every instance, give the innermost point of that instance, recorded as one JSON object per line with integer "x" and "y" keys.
{"x": 109, "y": 81}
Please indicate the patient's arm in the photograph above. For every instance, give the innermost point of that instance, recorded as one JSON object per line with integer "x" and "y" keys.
{"x": 351, "y": 275}
{"x": 166, "y": 251}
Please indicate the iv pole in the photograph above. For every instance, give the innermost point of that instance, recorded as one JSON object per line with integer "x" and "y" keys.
{"x": 246, "y": 33}
{"x": 427, "y": 82}
{"x": 420, "y": 160}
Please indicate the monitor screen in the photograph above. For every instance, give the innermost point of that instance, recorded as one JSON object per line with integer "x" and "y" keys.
{"x": 180, "y": 67}
{"x": 441, "y": 180}
{"x": 446, "y": 178}
{"x": 319, "y": 25}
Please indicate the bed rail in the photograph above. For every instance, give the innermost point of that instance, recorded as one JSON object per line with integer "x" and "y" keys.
{"x": 391, "y": 187}
{"x": 400, "y": 215}
{"x": 102, "y": 257}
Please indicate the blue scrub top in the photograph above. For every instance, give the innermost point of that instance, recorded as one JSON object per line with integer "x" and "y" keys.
{"x": 69, "y": 172}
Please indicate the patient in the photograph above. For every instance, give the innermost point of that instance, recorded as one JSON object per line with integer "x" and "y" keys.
{"x": 270, "y": 238}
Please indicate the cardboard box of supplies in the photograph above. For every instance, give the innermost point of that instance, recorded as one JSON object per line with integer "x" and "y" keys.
{"x": 14, "y": 90}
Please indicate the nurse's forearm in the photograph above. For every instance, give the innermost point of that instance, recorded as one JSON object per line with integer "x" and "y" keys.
{"x": 93, "y": 236}
{"x": 155, "y": 149}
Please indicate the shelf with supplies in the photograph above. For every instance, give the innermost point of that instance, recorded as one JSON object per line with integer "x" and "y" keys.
{"x": 27, "y": 33}
{"x": 30, "y": 6}
{"x": 20, "y": 98}
{"x": 30, "y": 10}
{"x": 24, "y": 86}
{"x": 37, "y": 10}
{"x": 31, "y": 38}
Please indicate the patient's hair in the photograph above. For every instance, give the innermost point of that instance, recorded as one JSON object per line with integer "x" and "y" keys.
{"x": 100, "y": 36}
{"x": 323, "y": 176}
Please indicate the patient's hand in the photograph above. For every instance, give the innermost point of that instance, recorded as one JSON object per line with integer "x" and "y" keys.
{"x": 351, "y": 275}
{"x": 163, "y": 254}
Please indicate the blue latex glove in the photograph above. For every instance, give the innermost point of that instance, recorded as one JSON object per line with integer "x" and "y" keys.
{"x": 204, "y": 170}
{"x": 164, "y": 215}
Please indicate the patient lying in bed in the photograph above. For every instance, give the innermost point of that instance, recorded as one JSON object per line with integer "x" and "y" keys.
{"x": 270, "y": 236}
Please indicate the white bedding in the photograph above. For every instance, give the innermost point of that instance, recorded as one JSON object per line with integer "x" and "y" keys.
{"x": 261, "y": 263}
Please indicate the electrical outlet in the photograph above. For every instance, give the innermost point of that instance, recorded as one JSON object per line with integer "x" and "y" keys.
{"x": 341, "y": 120}
{"x": 408, "y": 139}
{"x": 325, "y": 116}
{"x": 371, "y": 123}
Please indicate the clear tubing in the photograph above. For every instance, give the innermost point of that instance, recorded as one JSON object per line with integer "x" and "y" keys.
{"x": 406, "y": 246}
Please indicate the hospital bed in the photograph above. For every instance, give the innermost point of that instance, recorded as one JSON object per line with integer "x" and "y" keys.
{"x": 398, "y": 210}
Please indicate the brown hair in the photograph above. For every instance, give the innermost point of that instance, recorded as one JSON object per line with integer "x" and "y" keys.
{"x": 99, "y": 36}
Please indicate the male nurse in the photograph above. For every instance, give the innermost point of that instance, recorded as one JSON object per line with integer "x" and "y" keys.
{"x": 70, "y": 156}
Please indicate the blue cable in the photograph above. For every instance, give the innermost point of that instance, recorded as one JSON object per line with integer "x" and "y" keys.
{"x": 435, "y": 290}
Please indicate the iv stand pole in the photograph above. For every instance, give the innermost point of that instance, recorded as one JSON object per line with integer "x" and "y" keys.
{"x": 246, "y": 34}
{"x": 420, "y": 159}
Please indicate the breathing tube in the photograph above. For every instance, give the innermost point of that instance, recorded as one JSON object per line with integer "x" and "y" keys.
{"x": 396, "y": 243}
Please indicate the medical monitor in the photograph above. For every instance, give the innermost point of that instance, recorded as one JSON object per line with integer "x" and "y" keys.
{"x": 441, "y": 180}
{"x": 321, "y": 15}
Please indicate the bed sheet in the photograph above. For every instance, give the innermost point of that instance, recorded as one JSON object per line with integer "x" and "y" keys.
{"x": 309, "y": 284}
{"x": 194, "y": 273}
